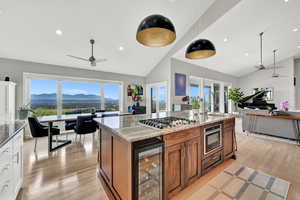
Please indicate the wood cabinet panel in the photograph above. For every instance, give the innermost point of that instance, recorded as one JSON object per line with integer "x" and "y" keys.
{"x": 228, "y": 140}
{"x": 106, "y": 155}
{"x": 229, "y": 123}
{"x": 174, "y": 162}
{"x": 181, "y": 136}
{"x": 192, "y": 160}
{"x": 122, "y": 174}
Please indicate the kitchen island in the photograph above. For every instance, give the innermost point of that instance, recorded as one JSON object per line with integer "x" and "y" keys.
{"x": 158, "y": 158}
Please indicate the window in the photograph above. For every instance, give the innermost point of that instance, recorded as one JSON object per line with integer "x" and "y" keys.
{"x": 207, "y": 98}
{"x": 216, "y": 97}
{"x": 162, "y": 98}
{"x": 52, "y": 95}
{"x": 112, "y": 97}
{"x": 153, "y": 99}
{"x": 214, "y": 93}
{"x": 157, "y": 97}
{"x": 80, "y": 97}
{"x": 195, "y": 96}
{"x": 226, "y": 100}
{"x": 43, "y": 98}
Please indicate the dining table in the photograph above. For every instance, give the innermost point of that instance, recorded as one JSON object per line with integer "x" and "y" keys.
{"x": 50, "y": 119}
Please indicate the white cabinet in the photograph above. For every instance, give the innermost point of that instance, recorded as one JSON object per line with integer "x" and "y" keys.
{"x": 11, "y": 167}
{"x": 8, "y": 100}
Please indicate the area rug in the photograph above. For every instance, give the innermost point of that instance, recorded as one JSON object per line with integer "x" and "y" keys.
{"x": 238, "y": 182}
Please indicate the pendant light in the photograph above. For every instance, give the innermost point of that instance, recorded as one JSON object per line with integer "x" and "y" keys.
{"x": 156, "y": 31}
{"x": 199, "y": 49}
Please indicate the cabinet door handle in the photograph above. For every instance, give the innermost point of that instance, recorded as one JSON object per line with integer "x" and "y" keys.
{"x": 17, "y": 159}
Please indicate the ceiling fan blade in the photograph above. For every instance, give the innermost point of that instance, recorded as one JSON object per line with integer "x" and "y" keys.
{"x": 101, "y": 60}
{"x": 277, "y": 67}
{"x": 260, "y": 67}
{"x": 79, "y": 58}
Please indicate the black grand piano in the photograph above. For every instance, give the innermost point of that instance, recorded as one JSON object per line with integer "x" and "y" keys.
{"x": 257, "y": 101}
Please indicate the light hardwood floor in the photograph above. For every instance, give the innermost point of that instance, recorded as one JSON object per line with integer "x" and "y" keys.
{"x": 70, "y": 172}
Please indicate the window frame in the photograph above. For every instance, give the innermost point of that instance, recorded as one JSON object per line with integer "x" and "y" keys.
{"x": 202, "y": 82}
{"x": 59, "y": 79}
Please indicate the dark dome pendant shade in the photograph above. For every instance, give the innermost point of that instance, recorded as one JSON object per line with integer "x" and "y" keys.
{"x": 156, "y": 31}
{"x": 199, "y": 49}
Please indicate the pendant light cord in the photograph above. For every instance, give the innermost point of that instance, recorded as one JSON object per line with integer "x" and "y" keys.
{"x": 274, "y": 52}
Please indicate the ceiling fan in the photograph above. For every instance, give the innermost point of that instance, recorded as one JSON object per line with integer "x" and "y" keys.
{"x": 261, "y": 66}
{"x": 93, "y": 61}
{"x": 274, "y": 74}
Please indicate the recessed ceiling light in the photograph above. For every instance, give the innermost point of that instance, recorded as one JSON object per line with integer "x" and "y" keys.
{"x": 246, "y": 54}
{"x": 58, "y": 32}
{"x": 121, "y": 48}
{"x": 225, "y": 39}
{"x": 295, "y": 29}
{"x": 298, "y": 47}
{"x": 286, "y": 1}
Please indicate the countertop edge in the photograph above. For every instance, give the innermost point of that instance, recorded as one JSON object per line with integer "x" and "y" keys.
{"x": 164, "y": 131}
{"x": 4, "y": 142}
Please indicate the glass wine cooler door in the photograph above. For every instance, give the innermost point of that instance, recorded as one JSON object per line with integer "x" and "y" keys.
{"x": 148, "y": 170}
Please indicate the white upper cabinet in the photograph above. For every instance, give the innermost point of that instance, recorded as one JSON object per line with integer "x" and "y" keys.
{"x": 7, "y": 101}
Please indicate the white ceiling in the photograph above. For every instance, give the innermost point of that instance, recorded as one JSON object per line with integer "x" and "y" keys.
{"x": 28, "y": 31}
{"x": 242, "y": 25}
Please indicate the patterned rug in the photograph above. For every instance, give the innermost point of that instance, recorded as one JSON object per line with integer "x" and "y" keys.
{"x": 238, "y": 182}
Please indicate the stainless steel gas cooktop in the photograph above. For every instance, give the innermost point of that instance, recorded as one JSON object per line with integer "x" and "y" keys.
{"x": 166, "y": 122}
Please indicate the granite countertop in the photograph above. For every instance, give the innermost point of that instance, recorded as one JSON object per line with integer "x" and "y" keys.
{"x": 129, "y": 128}
{"x": 9, "y": 129}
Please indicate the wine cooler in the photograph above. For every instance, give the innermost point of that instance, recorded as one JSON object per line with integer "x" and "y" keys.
{"x": 148, "y": 169}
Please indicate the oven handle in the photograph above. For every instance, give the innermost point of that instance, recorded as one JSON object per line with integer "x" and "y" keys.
{"x": 213, "y": 131}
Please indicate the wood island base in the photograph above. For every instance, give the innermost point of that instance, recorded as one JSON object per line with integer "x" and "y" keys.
{"x": 184, "y": 158}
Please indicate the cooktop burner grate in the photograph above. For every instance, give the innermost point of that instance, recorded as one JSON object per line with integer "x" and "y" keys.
{"x": 166, "y": 122}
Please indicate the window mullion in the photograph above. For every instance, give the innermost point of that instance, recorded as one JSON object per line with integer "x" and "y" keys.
{"x": 59, "y": 97}
{"x": 102, "y": 99}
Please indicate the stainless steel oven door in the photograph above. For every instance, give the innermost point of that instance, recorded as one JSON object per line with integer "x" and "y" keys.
{"x": 212, "y": 138}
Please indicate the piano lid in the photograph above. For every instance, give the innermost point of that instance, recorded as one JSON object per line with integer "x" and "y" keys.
{"x": 257, "y": 96}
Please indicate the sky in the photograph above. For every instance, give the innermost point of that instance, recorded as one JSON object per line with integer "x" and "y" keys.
{"x": 68, "y": 87}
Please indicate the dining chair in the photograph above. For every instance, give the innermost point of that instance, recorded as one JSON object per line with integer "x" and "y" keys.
{"x": 85, "y": 125}
{"x": 38, "y": 130}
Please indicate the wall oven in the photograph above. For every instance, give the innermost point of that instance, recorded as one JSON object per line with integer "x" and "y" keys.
{"x": 212, "y": 138}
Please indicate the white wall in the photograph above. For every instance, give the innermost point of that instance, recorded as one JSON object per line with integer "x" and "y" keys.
{"x": 283, "y": 86}
{"x": 178, "y": 66}
{"x": 297, "y": 75}
{"x": 15, "y": 68}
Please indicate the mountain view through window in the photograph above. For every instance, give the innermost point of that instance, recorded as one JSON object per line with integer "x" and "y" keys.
{"x": 76, "y": 97}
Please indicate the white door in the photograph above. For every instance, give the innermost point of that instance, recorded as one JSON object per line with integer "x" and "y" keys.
{"x": 157, "y": 98}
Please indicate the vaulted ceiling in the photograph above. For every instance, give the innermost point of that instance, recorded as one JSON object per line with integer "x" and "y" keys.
{"x": 28, "y": 31}
{"x": 236, "y": 35}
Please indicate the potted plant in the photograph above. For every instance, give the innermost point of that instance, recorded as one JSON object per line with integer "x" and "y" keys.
{"x": 195, "y": 102}
{"x": 235, "y": 95}
{"x": 284, "y": 105}
{"x": 24, "y": 111}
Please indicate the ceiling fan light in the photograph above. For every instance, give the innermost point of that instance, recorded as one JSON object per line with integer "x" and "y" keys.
{"x": 156, "y": 31}
{"x": 200, "y": 49}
